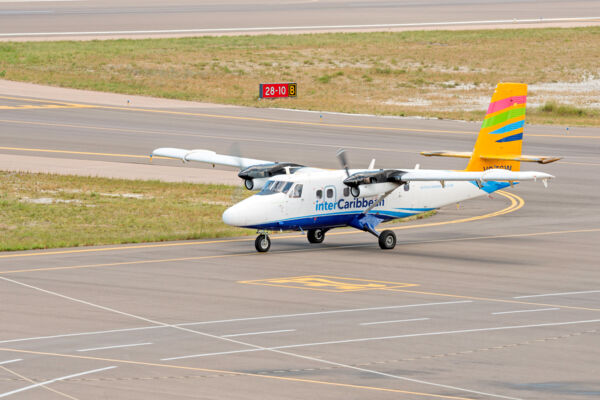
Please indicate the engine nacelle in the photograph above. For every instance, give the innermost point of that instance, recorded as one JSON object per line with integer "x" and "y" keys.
{"x": 372, "y": 189}
{"x": 255, "y": 184}
{"x": 256, "y": 176}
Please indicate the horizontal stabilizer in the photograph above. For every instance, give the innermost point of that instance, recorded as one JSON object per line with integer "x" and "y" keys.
{"x": 207, "y": 156}
{"x": 467, "y": 154}
{"x": 444, "y": 153}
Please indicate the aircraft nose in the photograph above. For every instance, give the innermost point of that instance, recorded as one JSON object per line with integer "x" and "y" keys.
{"x": 233, "y": 216}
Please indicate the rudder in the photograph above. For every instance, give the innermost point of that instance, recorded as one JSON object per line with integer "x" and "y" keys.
{"x": 501, "y": 133}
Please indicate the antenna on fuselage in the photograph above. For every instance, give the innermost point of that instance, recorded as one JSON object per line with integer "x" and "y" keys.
{"x": 341, "y": 155}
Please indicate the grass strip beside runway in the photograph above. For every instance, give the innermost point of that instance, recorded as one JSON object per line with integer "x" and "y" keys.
{"x": 448, "y": 74}
{"x": 39, "y": 211}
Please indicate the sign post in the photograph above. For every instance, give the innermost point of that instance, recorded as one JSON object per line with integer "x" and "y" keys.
{"x": 277, "y": 90}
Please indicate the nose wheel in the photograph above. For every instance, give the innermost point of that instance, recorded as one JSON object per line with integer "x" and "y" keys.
{"x": 262, "y": 243}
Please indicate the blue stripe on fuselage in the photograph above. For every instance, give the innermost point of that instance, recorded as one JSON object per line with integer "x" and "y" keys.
{"x": 331, "y": 220}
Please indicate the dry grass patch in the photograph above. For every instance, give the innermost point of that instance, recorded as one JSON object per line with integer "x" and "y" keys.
{"x": 448, "y": 74}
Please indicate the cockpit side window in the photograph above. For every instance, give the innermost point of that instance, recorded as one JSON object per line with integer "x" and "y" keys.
{"x": 272, "y": 187}
{"x": 297, "y": 191}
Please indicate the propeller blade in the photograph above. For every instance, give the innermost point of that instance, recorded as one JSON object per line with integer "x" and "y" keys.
{"x": 341, "y": 155}
{"x": 235, "y": 151}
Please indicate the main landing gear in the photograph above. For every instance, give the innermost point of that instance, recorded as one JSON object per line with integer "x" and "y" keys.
{"x": 387, "y": 240}
{"x": 315, "y": 235}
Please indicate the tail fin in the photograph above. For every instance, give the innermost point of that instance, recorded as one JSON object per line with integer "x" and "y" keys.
{"x": 501, "y": 136}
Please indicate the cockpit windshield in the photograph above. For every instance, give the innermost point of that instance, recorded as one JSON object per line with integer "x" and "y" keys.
{"x": 272, "y": 187}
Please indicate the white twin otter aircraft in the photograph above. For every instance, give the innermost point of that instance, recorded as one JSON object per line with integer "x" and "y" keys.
{"x": 298, "y": 198}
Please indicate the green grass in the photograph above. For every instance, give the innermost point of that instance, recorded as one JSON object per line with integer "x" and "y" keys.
{"x": 40, "y": 211}
{"x": 379, "y": 73}
{"x": 95, "y": 211}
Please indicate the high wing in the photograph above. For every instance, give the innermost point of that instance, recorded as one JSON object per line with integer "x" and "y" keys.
{"x": 207, "y": 156}
{"x": 382, "y": 182}
{"x": 255, "y": 173}
{"x": 481, "y": 176}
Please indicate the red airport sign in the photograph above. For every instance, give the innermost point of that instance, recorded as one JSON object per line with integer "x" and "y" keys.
{"x": 274, "y": 90}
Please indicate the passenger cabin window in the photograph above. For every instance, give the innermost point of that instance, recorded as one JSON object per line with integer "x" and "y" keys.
{"x": 329, "y": 193}
{"x": 346, "y": 191}
{"x": 319, "y": 194}
{"x": 297, "y": 191}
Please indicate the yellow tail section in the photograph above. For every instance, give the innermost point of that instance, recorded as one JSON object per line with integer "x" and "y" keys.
{"x": 500, "y": 139}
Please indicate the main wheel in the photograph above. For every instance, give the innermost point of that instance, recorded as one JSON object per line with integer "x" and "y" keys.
{"x": 387, "y": 240}
{"x": 315, "y": 235}
{"x": 262, "y": 243}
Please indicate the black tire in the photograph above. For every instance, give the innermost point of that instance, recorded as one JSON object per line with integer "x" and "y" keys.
{"x": 262, "y": 243}
{"x": 387, "y": 240}
{"x": 315, "y": 235}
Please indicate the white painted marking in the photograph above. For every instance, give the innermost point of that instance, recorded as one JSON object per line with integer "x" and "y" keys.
{"x": 292, "y": 346}
{"x": 255, "y": 347}
{"x": 294, "y": 28}
{"x": 391, "y": 322}
{"x": 62, "y": 378}
{"x": 236, "y": 320}
{"x": 257, "y": 333}
{"x": 556, "y": 294}
{"x": 10, "y": 361}
{"x": 525, "y": 311}
{"x": 37, "y": 1}
{"x": 115, "y": 347}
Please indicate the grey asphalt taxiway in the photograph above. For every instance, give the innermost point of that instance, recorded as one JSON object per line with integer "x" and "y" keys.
{"x": 496, "y": 299}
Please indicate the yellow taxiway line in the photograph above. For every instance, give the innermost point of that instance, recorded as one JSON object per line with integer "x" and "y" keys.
{"x": 235, "y": 373}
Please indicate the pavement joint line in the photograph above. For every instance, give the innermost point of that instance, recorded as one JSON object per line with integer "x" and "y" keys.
{"x": 307, "y": 123}
{"x": 500, "y": 347}
{"x": 487, "y": 299}
{"x": 392, "y": 337}
{"x": 511, "y": 208}
{"x": 559, "y": 294}
{"x": 120, "y": 346}
{"x": 26, "y": 379}
{"x": 258, "y": 333}
{"x": 306, "y": 314}
{"x": 253, "y": 346}
{"x": 232, "y": 373}
{"x": 6, "y": 394}
{"x": 394, "y": 321}
{"x": 525, "y": 311}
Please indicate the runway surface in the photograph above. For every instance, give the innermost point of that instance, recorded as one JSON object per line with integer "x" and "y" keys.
{"x": 497, "y": 299}
{"x": 24, "y": 19}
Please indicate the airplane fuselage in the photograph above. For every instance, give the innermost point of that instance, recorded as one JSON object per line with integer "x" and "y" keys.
{"x": 326, "y": 202}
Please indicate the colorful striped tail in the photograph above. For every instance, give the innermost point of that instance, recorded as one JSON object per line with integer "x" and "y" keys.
{"x": 501, "y": 133}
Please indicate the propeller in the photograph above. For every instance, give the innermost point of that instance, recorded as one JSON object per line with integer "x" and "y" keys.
{"x": 239, "y": 193}
{"x": 341, "y": 155}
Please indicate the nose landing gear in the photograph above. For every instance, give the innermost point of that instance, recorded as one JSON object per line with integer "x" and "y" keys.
{"x": 262, "y": 243}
